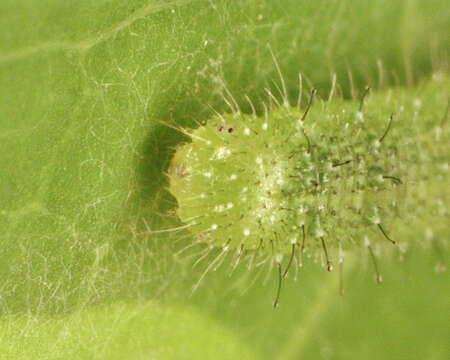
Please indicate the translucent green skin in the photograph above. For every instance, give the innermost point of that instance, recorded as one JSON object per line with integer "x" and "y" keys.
{"x": 251, "y": 182}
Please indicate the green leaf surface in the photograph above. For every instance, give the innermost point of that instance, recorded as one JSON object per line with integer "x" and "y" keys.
{"x": 122, "y": 331}
{"x": 84, "y": 88}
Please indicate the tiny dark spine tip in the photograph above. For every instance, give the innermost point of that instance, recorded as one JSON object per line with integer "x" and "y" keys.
{"x": 386, "y": 235}
{"x": 280, "y": 279}
{"x": 361, "y": 103}
{"x": 311, "y": 98}
{"x": 388, "y": 127}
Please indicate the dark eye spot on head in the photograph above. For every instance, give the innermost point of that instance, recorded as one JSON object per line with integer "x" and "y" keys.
{"x": 230, "y": 130}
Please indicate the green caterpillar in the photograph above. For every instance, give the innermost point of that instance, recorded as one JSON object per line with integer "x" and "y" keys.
{"x": 338, "y": 175}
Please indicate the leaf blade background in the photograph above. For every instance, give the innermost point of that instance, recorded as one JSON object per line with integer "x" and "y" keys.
{"x": 84, "y": 151}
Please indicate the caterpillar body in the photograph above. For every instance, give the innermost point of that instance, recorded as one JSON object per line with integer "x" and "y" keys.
{"x": 337, "y": 175}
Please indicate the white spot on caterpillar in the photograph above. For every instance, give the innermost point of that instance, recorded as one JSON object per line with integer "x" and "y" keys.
{"x": 247, "y": 131}
{"x": 265, "y": 126}
{"x": 221, "y": 152}
{"x": 246, "y": 232}
{"x": 213, "y": 226}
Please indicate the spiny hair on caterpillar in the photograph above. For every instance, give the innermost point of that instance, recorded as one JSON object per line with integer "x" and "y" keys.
{"x": 291, "y": 182}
